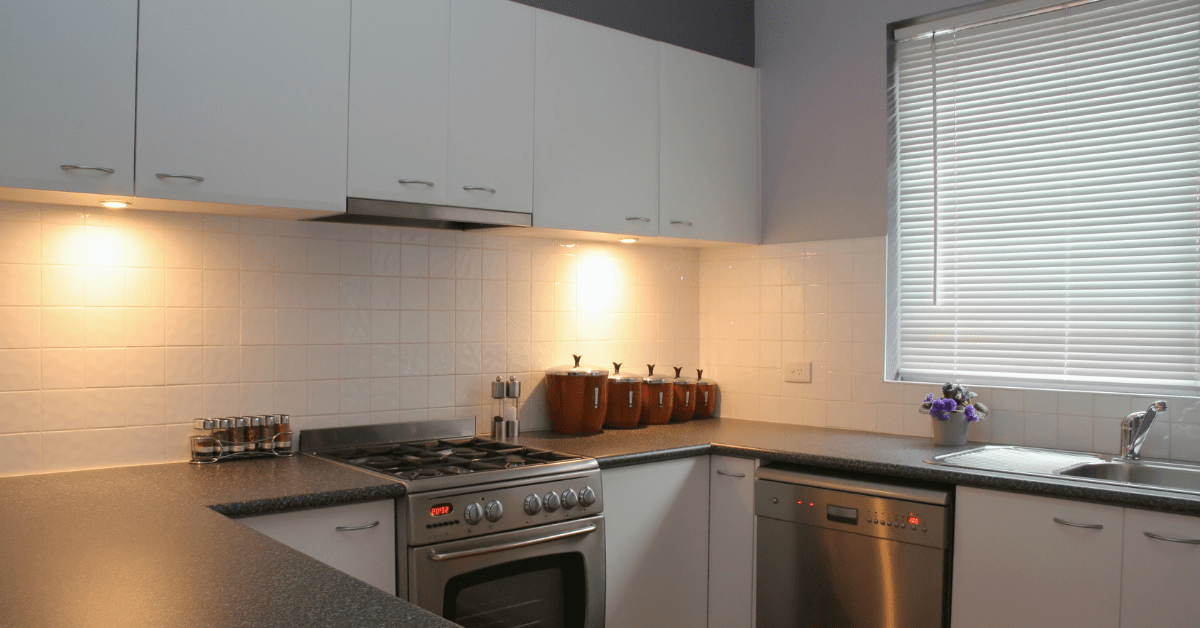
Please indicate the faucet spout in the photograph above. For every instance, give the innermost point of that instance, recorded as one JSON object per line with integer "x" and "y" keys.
{"x": 1134, "y": 429}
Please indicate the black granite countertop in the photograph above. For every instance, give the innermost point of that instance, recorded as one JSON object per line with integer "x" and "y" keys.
{"x": 877, "y": 454}
{"x": 152, "y": 546}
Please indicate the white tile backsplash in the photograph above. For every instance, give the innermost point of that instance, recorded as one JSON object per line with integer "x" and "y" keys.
{"x": 118, "y": 328}
{"x": 823, "y": 302}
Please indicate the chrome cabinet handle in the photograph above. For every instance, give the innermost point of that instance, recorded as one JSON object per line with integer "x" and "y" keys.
{"x": 631, "y": 218}
{"x": 730, "y": 475}
{"x": 163, "y": 175}
{"x": 509, "y": 546}
{"x": 98, "y": 168}
{"x": 476, "y": 187}
{"x": 1089, "y": 526}
{"x": 350, "y": 528}
{"x": 681, "y": 222}
{"x": 1172, "y": 539}
{"x": 416, "y": 181}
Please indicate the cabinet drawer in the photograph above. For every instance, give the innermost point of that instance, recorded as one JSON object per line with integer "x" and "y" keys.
{"x": 358, "y": 539}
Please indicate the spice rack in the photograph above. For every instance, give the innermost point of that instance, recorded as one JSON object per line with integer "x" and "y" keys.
{"x": 207, "y": 450}
{"x": 263, "y": 436}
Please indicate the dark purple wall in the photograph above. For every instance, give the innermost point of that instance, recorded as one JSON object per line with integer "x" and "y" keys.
{"x": 721, "y": 28}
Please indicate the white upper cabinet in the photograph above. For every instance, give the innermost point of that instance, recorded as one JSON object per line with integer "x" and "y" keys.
{"x": 708, "y": 161}
{"x": 399, "y": 74}
{"x": 491, "y": 105}
{"x": 596, "y": 131}
{"x": 67, "y": 76}
{"x": 244, "y": 102}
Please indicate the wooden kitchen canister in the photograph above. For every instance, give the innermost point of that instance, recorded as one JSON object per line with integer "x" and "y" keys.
{"x": 706, "y": 396}
{"x": 685, "y": 397}
{"x": 658, "y": 398}
{"x": 576, "y": 398}
{"x": 624, "y": 399}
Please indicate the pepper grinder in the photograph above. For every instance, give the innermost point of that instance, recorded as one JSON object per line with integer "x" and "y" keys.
{"x": 499, "y": 392}
{"x": 512, "y": 423}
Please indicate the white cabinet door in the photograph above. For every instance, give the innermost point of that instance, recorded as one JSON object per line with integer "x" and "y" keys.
{"x": 596, "y": 131}
{"x": 656, "y": 537}
{"x": 731, "y": 543}
{"x": 491, "y": 105}
{"x": 399, "y": 62}
{"x": 709, "y": 148}
{"x": 67, "y": 81}
{"x": 1159, "y": 580}
{"x": 358, "y": 539}
{"x": 248, "y": 95}
{"x": 1015, "y": 566}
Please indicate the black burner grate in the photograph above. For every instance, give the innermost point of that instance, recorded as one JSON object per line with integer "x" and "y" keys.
{"x": 438, "y": 458}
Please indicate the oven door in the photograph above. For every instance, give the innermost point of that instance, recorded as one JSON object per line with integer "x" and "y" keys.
{"x": 550, "y": 576}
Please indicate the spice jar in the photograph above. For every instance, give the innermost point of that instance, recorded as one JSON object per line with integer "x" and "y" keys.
{"x": 270, "y": 428}
{"x": 237, "y": 435}
{"x": 222, "y": 435}
{"x": 658, "y": 398}
{"x": 706, "y": 396}
{"x": 284, "y": 432}
{"x": 204, "y": 443}
{"x": 624, "y": 399}
{"x": 685, "y": 397}
{"x": 576, "y": 398}
{"x": 255, "y": 434}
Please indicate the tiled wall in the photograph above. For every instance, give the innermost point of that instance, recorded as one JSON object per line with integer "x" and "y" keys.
{"x": 762, "y": 306}
{"x": 118, "y": 328}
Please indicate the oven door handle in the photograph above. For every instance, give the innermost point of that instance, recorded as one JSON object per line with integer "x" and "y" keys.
{"x": 509, "y": 546}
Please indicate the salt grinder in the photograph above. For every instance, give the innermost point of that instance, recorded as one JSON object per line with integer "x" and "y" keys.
{"x": 512, "y": 423}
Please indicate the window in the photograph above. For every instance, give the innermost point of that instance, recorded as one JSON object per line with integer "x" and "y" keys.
{"x": 1044, "y": 226}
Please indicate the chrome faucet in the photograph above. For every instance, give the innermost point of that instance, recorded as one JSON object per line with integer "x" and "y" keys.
{"x": 1134, "y": 428}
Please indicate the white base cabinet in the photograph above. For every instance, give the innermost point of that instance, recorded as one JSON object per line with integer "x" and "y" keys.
{"x": 1016, "y": 566}
{"x": 1159, "y": 576}
{"x": 358, "y": 539}
{"x": 731, "y": 543}
{"x": 656, "y": 538}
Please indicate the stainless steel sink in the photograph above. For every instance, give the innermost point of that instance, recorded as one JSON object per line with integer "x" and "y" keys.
{"x": 1072, "y": 465}
{"x": 1152, "y": 474}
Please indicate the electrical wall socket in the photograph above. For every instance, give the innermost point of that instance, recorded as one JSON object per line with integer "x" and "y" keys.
{"x": 797, "y": 372}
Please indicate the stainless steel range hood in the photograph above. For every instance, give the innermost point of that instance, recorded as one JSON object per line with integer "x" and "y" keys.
{"x": 365, "y": 211}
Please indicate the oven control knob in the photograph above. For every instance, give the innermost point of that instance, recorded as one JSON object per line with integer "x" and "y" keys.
{"x": 570, "y": 498}
{"x": 587, "y": 496}
{"x": 551, "y": 502}
{"x": 533, "y": 505}
{"x": 494, "y": 511}
{"x": 473, "y": 514}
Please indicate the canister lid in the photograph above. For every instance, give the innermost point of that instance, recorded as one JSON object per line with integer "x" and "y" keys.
{"x": 618, "y": 378}
{"x": 683, "y": 380}
{"x": 701, "y": 381}
{"x": 206, "y": 424}
{"x": 651, "y": 378}
{"x": 575, "y": 370}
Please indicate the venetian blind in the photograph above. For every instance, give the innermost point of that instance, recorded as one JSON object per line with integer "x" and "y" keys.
{"x": 1044, "y": 223}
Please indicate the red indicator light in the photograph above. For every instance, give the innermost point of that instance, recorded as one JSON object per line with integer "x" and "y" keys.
{"x": 916, "y": 521}
{"x": 440, "y": 510}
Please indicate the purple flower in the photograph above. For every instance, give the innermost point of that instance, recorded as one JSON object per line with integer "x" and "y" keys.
{"x": 970, "y": 412}
{"x": 929, "y": 398}
{"x": 942, "y": 408}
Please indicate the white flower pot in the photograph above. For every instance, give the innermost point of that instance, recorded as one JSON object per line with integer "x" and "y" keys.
{"x": 952, "y": 431}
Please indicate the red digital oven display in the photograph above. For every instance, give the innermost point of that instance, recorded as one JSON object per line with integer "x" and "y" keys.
{"x": 440, "y": 510}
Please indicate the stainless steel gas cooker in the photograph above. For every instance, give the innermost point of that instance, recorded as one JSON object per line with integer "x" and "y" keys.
{"x": 489, "y": 533}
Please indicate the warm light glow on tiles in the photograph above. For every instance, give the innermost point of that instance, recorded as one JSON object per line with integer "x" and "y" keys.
{"x": 103, "y": 246}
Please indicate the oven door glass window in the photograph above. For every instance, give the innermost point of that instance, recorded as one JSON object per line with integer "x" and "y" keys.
{"x": 547, "y": 592}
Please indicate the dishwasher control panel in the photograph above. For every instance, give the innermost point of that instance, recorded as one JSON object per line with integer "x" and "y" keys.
{"x": 890, "y": 518}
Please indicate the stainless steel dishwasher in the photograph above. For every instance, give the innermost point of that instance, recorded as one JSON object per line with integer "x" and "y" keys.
{"x": 850, "y": 552}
